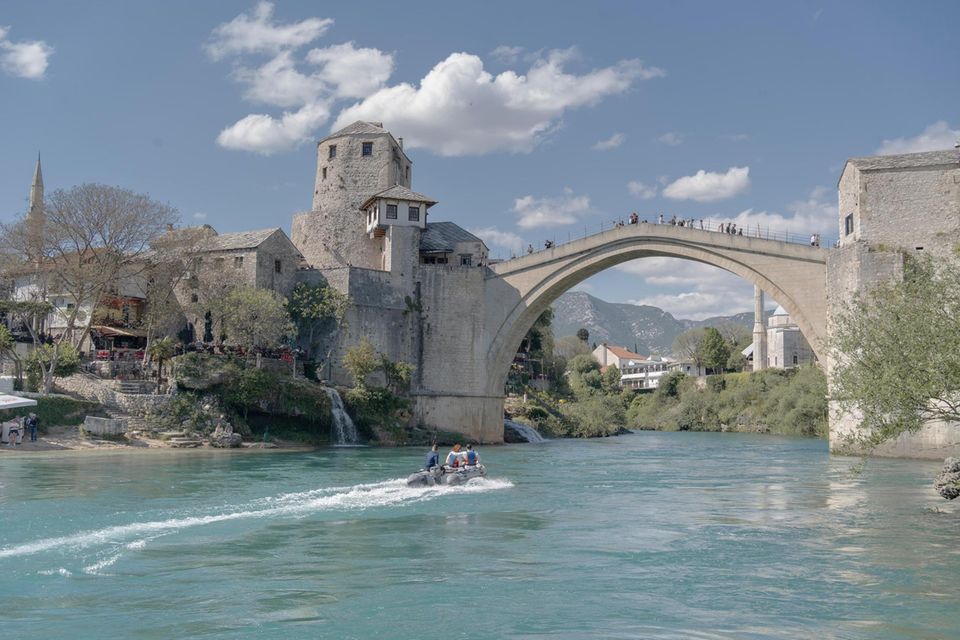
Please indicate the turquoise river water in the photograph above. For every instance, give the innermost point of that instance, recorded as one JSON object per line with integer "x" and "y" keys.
{"x": 652, "y": 535}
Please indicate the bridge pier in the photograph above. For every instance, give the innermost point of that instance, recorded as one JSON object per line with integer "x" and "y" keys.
{"x": 478, "y": 418}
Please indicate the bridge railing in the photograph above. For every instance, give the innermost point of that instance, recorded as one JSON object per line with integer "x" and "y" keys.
{"x": 557, "y": 239}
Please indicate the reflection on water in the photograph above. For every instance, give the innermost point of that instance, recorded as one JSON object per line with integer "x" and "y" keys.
{"x": 651, "y": 535}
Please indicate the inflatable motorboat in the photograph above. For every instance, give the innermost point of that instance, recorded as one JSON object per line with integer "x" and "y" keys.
{"x": 446, "y": 475}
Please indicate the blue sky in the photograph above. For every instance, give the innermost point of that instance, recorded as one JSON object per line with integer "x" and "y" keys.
{"x": 525, "y": 120}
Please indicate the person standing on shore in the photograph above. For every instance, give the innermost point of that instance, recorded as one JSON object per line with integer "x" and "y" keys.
{"x": 32, "y": 424}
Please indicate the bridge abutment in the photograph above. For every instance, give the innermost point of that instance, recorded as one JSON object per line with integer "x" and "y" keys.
{"x": 478, "y": 418}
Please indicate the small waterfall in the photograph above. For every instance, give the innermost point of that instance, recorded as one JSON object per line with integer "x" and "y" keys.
{"x": 344, "y": 429}
{"x": 524, "y": 431}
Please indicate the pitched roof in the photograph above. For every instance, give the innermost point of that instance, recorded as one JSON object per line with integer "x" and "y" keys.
{"x": 442, "y": 237}
{"x": 358, "y": 128}
{"x": 237, "y": 240}
{"x": 621, "y": 352}
{"x": 399, "y": 192}
{"x": 907, "y": 160}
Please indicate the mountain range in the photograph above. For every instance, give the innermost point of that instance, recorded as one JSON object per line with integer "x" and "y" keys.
{"x": 642, "y": 328}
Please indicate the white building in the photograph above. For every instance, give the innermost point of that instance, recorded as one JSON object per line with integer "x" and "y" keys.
{"x": 637, "y": 371}
{"x": 786, "y": 347}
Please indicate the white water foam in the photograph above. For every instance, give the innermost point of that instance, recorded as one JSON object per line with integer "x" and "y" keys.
{"x": 357, "y": 497}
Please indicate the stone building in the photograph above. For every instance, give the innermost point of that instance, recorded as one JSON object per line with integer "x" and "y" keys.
{"x": 891, "y": 206}
{"x": 412, "y": 283}
{"x": 263, "y": 259}
{"x": 786, "y": 347}
{"x": 353, "y": 164}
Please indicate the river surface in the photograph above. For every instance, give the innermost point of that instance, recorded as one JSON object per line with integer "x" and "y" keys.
{"x": 652, "y": 535}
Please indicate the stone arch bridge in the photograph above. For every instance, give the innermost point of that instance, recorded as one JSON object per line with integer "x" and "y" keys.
{"x": 468, "y": 393}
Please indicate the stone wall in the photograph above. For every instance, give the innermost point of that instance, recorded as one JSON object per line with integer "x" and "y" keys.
{"x": 105, "y": 392}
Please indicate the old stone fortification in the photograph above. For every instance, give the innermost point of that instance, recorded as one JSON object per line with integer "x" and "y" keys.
{"x": 333, "y": 234}
{"x": 460, "y": 324}
{"x": 107, "y": 393}
{"x": 891, "y": 207}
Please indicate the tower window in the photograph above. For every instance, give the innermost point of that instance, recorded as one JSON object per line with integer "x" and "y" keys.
{"x": 324, "y": 173}
{"x": 408, "y": 174}
{"x": 368, "y": 148}
{"x": 194, "y": 297}
{"x": 391, "y": 212}
{"x": 414, "y": 214}
{"x": 333, "y": 151}
{"x": 848, "y": 224}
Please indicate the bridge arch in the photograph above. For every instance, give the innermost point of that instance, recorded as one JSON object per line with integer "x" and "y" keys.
{"x": 794, "y": 275}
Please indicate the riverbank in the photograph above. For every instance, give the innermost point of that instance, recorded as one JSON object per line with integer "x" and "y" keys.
{"x": 70, "y": 438}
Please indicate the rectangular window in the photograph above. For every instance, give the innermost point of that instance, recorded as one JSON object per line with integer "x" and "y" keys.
{"x": 324, "y": 173}
{"x": 391, "y": 212}
{"x": 466, "y": 260}
{"x": 795, "y": 359}
{"x": 237, "y": 262}
{"x": 414, "y": 214}
{"x": 194, "y": 297}
{"x": 332, "y": 152}
{"x": 408, "y": 175}
{"x": 278, "y": 266}
{"x": 368, "y": 148}
{"x": 848, "y": 225}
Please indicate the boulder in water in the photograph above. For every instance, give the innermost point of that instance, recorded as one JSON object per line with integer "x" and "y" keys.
{"x": 947, "y": 483}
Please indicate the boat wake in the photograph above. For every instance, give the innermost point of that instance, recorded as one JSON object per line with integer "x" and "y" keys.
{"x": 135, "y": 535}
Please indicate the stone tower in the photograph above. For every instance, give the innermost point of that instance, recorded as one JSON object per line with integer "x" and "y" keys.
{"x": 353, "y": 164}
{"x": 35, "y": 214}
{"x": 759, "y": 331}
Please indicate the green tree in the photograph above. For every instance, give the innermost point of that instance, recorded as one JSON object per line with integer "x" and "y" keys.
{"x": 160, "y": 351}
{"x": 65, "y": 362}
{"x": 897, "y": 350}
{"x": 312, "y": 307}
{"x": 611, "y": 380}
{"x": 714, "y": 350}
{"x": 687, "y": 345}
{"x": 8, "y": 349}
{"x": 583, "y": 335}
{"x": 361, "y": 360}
{"x": 570, "y": 346}
{"x": 256, "y": 318}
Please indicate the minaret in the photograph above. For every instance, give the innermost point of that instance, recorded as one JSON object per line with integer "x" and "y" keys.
{"x": 759, "y": 331}
{"x": 35, "y": 215}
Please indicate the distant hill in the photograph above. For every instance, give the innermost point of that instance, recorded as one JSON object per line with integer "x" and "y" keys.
{"x": 651, "y": 329}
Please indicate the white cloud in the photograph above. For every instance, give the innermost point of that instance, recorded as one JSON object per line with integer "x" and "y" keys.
{"x": 695, "y": 291}
{"x": 493, "y": 237}
{"x": 506, "y": 54}
{"x": 28, "y": 59}
{"x": 200, "y": 215}
{"x": 817, "y": 213}
{"x": 671, "y": 138}
{"x": 707, "y": 186}
{"x": 257, "y": 33}
{"x": 278, "y": 83}
{"x": 612, "y": 142}
{"x": 537, "y": 213}
{"x": 265, "y": 134}
{"x": 461, "y": 109}
{"x": 338, "y": 71}
{"x": 936, "y": 137}
{"x": 457, "y": 109}
{"x": 641, "y": 190}
{"x": 352, "y": 72}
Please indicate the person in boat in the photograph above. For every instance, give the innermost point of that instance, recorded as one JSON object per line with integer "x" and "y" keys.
{"x": 471, "y": 458}
{"x": 455, "y": 457}
{"x": 433, "y": 458}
